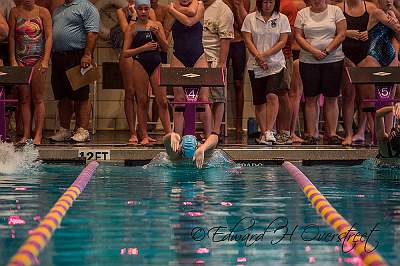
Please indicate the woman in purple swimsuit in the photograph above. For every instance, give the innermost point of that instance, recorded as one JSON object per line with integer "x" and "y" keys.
{"x": 30, "y": 42}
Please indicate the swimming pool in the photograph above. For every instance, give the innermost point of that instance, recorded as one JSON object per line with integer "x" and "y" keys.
{"x": 161, "y": 216}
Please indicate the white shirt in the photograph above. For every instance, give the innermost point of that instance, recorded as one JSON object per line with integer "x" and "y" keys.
{"x": 218, "y": 24}
{"x": 266, "y": 34}
{"x": 319, "y": 30}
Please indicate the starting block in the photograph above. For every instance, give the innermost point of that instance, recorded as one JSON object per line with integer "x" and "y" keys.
{"x": 191, "y": 79}
{"x": 384, "y": 79}
{"x": 11, "y": 76}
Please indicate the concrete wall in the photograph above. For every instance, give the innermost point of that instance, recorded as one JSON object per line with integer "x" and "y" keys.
{"x": 109, "y": 103}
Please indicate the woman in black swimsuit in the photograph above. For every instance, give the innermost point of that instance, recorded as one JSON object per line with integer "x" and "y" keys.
{"x": 142, "y": 42}
{"x": 355, "y": 48}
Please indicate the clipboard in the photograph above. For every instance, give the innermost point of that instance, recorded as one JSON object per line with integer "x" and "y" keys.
{"x": 77, "y": 80}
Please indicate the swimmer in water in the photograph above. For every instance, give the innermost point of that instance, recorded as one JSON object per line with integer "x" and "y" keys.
{"x": 389, "y": 144}
{"x": 187, "y": 147}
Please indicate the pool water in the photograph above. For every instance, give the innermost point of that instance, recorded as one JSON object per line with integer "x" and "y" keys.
{"x": 161, "y": 216}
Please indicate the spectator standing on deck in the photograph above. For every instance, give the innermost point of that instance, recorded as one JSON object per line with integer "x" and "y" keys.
{"x": 188, "y": 51}
{"x": 355, "y": 48}
{"x": 265, "y": 32}
{"x": 161, "y": 12}
{"x": 126, "y": 16}
{"x": 30, "y": 42}
{"x": 75, "y": 27}
{"x": 217, "y": 35}
{"x": 143, "y": 42}
{"x": 320, "y": 30}
{"x": 285, "y": 114}
{"x": 237, "y": 54}
{"x": 383, "y": 34}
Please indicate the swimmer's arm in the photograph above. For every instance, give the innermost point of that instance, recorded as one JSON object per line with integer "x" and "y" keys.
{"x": 173, "y": 155}
{"x": 122, "y": 21}
{"x": 168, "y": 22}
{"x": 381, "y": 136}
{"x": 380, "y": 122}
{"x": 162, "y": 40}
{"x": 378, "y": 15}
{"x": 210, "y": 143}
{"x": 187, "y": 20}
{"x": 190, "y": 10}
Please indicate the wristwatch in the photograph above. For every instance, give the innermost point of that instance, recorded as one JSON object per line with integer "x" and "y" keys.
{"x": 325, "y": 52}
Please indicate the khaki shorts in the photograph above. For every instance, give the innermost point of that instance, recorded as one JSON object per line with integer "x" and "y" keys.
{"x": 216, "y": 94}
{"x": 288, "y": 72}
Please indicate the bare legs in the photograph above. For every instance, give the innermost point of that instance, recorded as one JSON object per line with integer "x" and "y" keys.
{"x": 295, "y": 92}
{"x": 266, "y": 113}
{"x": 126, "y": 68}
{"x": 27, "y": 95}
{"x": 349, "y": 95}
{"x": 239, "y": 93}
{"x": 141, "y": 81}
{"x": 368, "y": 92}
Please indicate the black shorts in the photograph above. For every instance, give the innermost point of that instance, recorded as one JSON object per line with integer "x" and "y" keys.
{"x": 237, "y": 53}
{"x": 60, "y": 62}
{"x": 270, "y": 84}
{"x": 321, "y": 78}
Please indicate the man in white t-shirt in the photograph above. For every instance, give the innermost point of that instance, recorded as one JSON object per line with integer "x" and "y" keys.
{"x": 217, "y": 34}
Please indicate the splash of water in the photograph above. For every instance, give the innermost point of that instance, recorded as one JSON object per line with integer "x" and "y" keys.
{"x": 217, "y": 159}
{"x": 23, "y": 161}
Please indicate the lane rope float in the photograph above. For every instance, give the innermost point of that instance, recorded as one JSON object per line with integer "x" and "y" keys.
{"x": 334, "y": 219}
{"x": 29, "y": 252}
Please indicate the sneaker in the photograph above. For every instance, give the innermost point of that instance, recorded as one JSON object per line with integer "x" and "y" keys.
{"x": 62, "y": 135}
{"x": 81, "y": 135}
{"x": 269, "y": 136}
{"x": 283, "y": 138}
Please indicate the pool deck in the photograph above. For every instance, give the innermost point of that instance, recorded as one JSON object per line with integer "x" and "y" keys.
{"x": 113, "y": 147}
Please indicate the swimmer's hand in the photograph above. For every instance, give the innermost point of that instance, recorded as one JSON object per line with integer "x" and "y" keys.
{"x": 150, "y": 46}
{"x": 198, "y": 157}
{"x": 175, "y": 142}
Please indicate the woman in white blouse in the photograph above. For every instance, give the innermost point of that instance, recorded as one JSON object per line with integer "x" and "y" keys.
{"x": 265, "y": 33}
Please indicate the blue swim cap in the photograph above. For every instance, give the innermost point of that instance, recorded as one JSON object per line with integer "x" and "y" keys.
{"x": 142, "y": 2}
{"x": 188, "y": 145}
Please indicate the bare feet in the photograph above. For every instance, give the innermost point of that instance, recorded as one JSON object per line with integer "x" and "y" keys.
{"x": 297, "y": 139}
{"x": 22, "y": 141}
{"x": 151, "y": 139}
{"x": 358, "y": 138}
{"x": 145, "y": 141}
{"x": 347, "y": 141}
{"x": 133, "y": 140}
{"x": 37, "y": 141}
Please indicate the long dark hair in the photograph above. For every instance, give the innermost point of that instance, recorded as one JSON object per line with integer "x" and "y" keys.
{"x": 276, "y": 7}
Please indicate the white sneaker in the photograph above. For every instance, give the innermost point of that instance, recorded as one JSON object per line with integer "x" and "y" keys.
{"x": 269, "y": 136}
{"x": 62, "y": 135}
{"x": 81, "y": 135}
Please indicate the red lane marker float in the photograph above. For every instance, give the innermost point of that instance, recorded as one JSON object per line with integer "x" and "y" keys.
{"x": 38, "y": 238}
{"x": 334, "y": 219}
